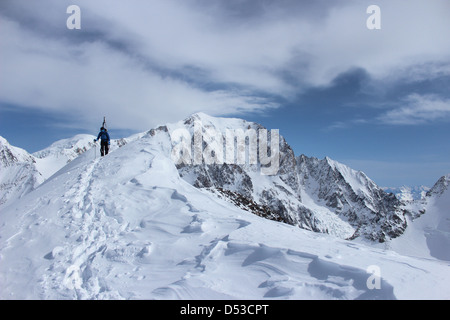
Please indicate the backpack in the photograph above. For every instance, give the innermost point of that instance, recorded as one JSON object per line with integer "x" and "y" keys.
{"x": 104, "y": 135}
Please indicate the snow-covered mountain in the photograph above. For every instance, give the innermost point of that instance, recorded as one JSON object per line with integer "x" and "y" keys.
{"x": 429, "y": 234}
{"x": 60, "y": 153}
{"x": 318, "y": 195}
{"x": 440, "y": 187}
{"x": 352, "y": 197}
{"x": 134, "y": 225}
{"x": 18, "y": 173}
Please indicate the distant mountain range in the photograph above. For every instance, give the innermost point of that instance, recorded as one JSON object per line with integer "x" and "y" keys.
{"x": 407, "y": 193}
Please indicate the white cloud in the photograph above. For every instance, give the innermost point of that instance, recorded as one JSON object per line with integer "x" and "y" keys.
{"x": 418, "y": 109}
{"x": 151, "y": 62}
{"x": 91, "y": 80}
{"x": 252, "y": 51}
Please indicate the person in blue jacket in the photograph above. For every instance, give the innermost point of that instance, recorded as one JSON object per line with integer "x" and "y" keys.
{"x": 104, "y": 145}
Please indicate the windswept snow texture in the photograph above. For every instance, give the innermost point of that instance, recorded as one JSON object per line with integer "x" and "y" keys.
{"x": 127, "y": 226}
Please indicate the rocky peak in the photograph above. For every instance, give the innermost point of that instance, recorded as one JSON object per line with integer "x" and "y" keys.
{"x": 440, "y": 186}
{"x": 10, "y": 155}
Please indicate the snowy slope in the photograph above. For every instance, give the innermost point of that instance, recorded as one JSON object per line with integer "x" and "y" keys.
{"x": 22, "y": 172}
{"x": 126, "y": 226}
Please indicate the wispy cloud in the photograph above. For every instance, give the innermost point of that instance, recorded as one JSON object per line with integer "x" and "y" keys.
{"x": 418, "y": 109}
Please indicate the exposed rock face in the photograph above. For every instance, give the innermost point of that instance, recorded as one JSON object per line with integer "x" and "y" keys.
{"x": 318, "y": 195}
{"x": 352, "y": 196}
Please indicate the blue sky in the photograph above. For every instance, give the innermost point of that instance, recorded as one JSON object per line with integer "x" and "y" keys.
{"x": 376, "y": 100}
